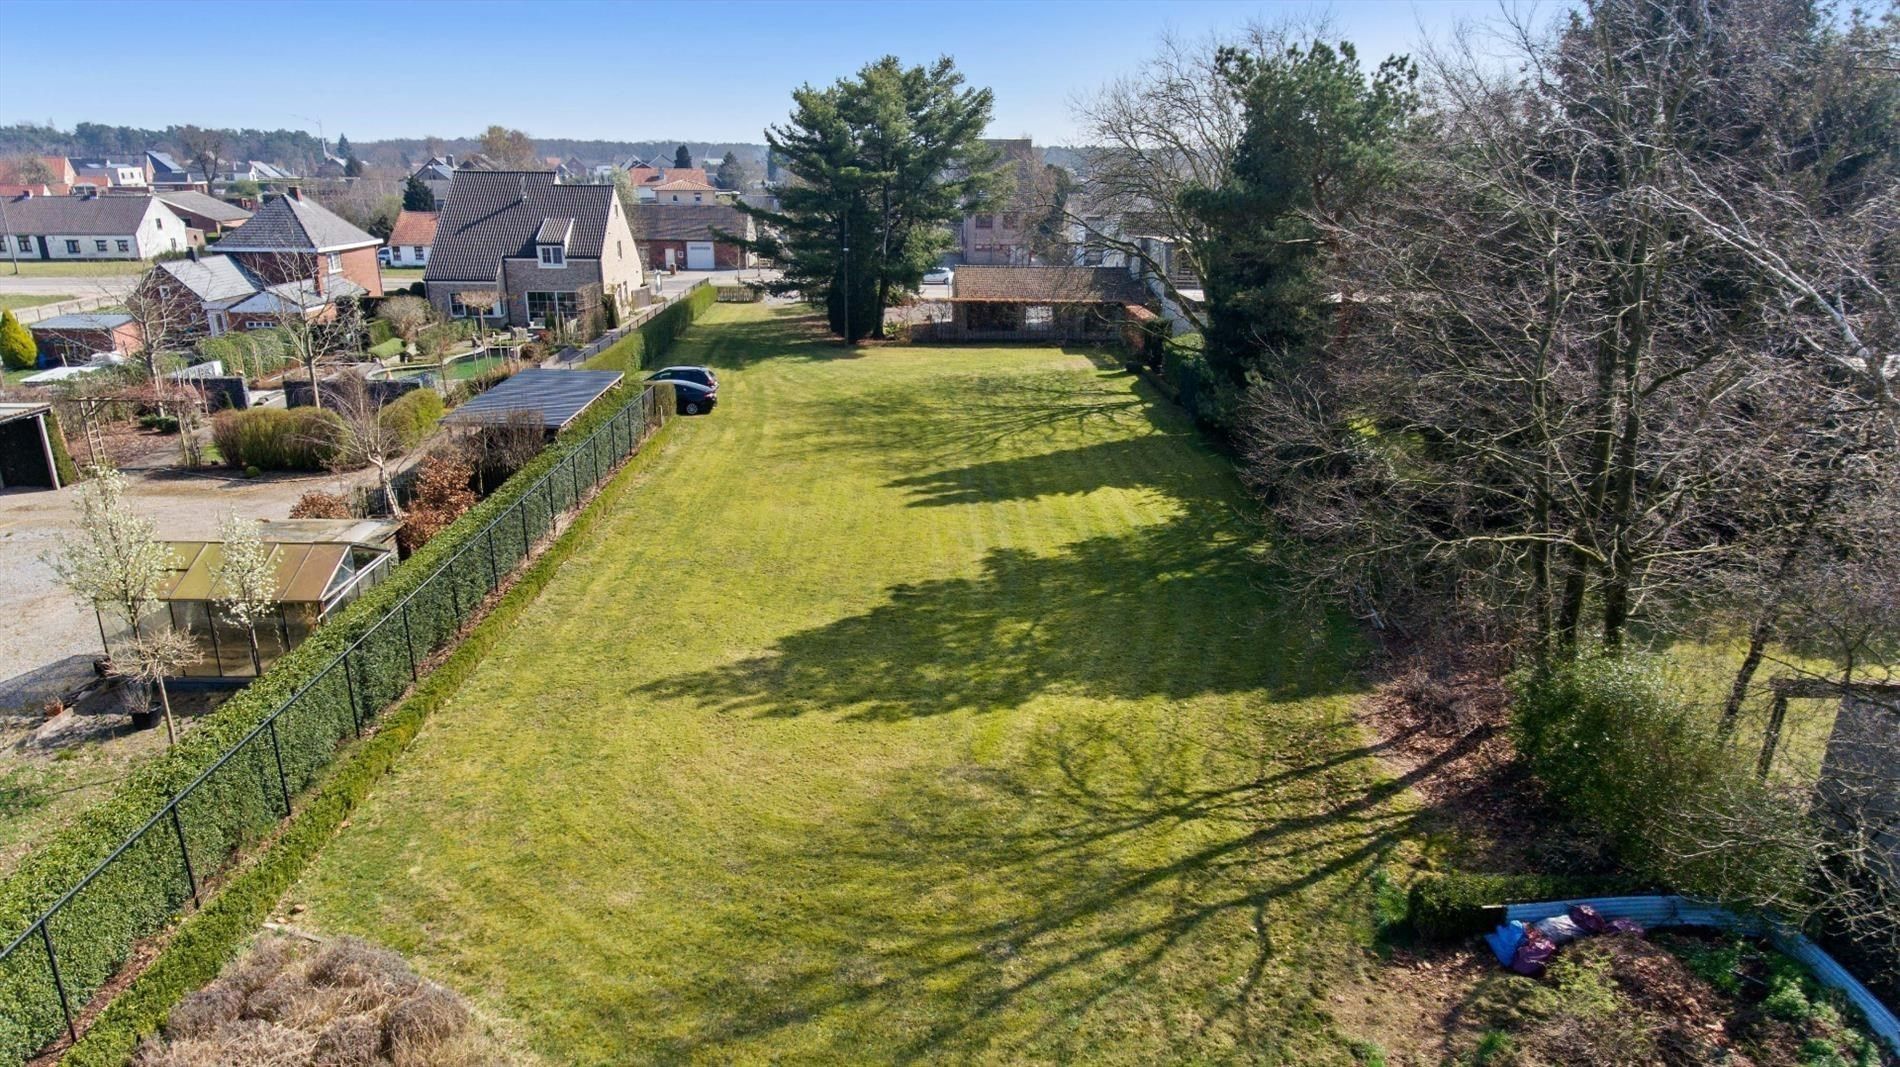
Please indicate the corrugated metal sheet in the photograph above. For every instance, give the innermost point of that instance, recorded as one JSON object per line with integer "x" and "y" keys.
{"x": 1654, "y": 911}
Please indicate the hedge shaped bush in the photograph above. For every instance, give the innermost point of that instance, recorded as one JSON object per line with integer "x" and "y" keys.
{"x": 1457, "y": 904}
{"x": 648, "y": 344}
{"x": 240, "y": 801}
{"x": 413, "y": 415}
{"x": 276, "y": 439}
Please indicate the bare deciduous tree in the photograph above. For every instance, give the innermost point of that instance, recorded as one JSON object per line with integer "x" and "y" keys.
{"x": 364, "y": 438}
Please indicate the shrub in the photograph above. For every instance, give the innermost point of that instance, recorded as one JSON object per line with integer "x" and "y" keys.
{"x": 18, "y": 350}
{"x": 413, "y": 415}
{"x": 317, "y": 504}
{"x": 646, "y": 346}
{"x": 442, "y": 495}
{"x": 1648, "y": 776}
{"x": 276, "y": 438}
{"x": 387, "y": 349}
{"x": 161, "y": 423}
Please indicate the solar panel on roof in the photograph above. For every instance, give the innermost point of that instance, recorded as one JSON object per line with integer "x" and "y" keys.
{"x": 557, "y": 396}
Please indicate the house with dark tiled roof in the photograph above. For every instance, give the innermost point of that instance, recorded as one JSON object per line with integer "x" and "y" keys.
{"x": 89, "y": 227}
{"x": 693, "y": 236}
{"x": 293, "y": 238}
{"x": 553, "y": 252}
{"x": 163, "y": 171}
{"x": 219, "y": 294}
{"x": 991, "y": 303}
{"x": 411, "y": 238}
{"x": 439, "y": 172}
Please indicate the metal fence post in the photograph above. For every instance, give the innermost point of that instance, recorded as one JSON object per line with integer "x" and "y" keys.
{"x": 573, "y": 476}
{"x": 349, "y": 679}
{"x": 408, "y": 639}
{"x": 52, "y": 960}
{"x": 521, "y": 512}
{"x": 283, "y": 782}
{"x": 494, "y": 572}
{"x": 191, "y": 876}
{"x": 455, "y": 591}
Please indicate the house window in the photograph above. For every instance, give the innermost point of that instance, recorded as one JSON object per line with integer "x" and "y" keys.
{"x": 459, "y": 310}
{"x": 125, "y": 246}
{"x": 1039, "y": 317}
{"x": 620, "y": 250}
{"x": 1011, "y": 221}
{"x": 985, "y": 222}
{"x": 553, "y": 256}
{"x": 99, "y": 246}
{"x": 159, "y": 223}
{"x": 548, "y": 308}
{"x": 335, "y": 260}
{"x": 72, "y": 248}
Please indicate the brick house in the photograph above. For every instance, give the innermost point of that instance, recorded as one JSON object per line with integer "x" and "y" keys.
{"x": 553, "y": 252}
{"x": 220, "y": 294}
{"x": 202, "y": 212}
{"x": 687, "y": 236}
{"x": 291, "y": 239}
{"x": 72, "y": 339}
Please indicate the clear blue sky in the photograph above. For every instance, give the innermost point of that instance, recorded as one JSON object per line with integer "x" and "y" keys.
{"x": 652, "y": 70}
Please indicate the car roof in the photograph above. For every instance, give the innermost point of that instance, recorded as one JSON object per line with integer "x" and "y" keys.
{"x": 692, "y": 385}
{"x": 683, "y": 366}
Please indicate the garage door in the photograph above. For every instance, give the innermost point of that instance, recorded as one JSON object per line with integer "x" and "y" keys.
{"x": 699, "y": 255}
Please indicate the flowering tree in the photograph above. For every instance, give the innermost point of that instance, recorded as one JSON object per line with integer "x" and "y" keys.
{"x": 244, "y": 583}
{"x": 115, "y": 564}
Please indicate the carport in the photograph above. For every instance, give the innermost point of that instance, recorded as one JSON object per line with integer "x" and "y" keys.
{"x": 555, "y": 397}
{"x": 26, "y": 450}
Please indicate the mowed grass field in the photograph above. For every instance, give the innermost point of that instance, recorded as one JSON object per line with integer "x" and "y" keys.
{"x": 924, "y": 704}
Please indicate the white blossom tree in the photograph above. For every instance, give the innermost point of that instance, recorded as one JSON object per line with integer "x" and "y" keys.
{"x": 244, "y": 582}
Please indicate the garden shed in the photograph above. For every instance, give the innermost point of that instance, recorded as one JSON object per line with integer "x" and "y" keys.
{"x": 26, "y": 448}
{"x": 322, "y": 566}
{"x": 556, "y": 397}
{"x": 1037, "y": 304}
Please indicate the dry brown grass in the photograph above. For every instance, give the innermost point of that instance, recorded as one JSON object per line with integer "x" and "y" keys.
{"x": 344, "y": 1003}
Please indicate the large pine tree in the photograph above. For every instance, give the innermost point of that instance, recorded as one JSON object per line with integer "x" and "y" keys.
{"x": 885, "y": 163}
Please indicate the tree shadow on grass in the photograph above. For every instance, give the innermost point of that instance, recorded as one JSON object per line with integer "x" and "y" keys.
{"x": 1166, "y": 611}
{"x": 793, "y": 334}
{"x": 1115, "y": 885}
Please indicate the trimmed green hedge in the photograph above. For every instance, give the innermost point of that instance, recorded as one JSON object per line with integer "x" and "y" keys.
{"x": 251, "y": 354}
{"x": 645, "y": 346}
{"x": 1455, "y": 905}
{"x": 141, "y": 892}
{"x": 387, "y": 349}
{"x": 208, "y": 939}
{"x": 62, "y": 457}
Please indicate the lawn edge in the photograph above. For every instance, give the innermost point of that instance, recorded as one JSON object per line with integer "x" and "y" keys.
{"x": 204, "y": 941}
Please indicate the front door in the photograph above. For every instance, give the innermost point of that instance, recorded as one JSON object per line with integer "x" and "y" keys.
{"x": 669, "y": 259}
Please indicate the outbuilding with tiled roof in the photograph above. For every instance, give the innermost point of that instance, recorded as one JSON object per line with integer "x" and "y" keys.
{"x": 412, "y": 237}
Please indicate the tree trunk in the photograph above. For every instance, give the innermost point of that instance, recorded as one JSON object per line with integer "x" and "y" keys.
{"x": 257, "y": 658}
{"x": 165, "y": 702}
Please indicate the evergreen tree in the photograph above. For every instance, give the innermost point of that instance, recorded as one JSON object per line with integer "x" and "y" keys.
{"x": 682, "y": 158}
{"x": 886, "y": 162}
{"x": 1320, "y": 139}
{"x": 353, "y": 168}
{"x": 343, "y": 146}
{"x": 417, "y": 196}
{"x": 731, "y": 173}
{"x": 18, "y": 350}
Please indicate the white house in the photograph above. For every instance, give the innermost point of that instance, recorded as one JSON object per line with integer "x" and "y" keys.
{"x": 411, "y": 238}
{"x": 90, "y": 227}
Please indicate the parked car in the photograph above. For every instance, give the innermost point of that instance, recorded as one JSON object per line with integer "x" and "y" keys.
{"x": 940, "y": 276}
{"x": 382, "y": 255}
{"x": 697, "y": 375}
{"x": 692, "y": 398}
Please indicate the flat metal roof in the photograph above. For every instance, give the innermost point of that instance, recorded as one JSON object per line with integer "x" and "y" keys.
{"x": 557, "y": 397}
{"x": 9, "y": 412}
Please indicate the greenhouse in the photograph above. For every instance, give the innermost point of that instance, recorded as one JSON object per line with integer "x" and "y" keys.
{"x": 316, "y": 577}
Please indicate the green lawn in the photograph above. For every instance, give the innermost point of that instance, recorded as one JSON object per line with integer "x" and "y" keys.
{"x": 405, "y": 275}
{"x": 17, "y": 301}
{"x": 926, "y": 704}
{"x": 77, "y": 268}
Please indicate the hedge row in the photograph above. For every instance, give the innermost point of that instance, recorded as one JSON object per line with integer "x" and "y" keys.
{"x": 142, "y": 890}
{"x": 62, "y": 456}
{"x": 209, "y": 938}
{"x": 412, "y": 415}
{"x": 1460, "y": 904}
{"x": 645, "y": 346}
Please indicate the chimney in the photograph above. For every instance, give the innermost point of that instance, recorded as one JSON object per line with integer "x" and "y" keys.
{"x": 521, "y": 189}
{"x": 450, "y": 160}
{"x": 295, "y": 193}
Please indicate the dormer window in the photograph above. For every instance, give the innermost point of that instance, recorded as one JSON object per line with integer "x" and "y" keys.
{"x": 553, "y": 256}
{"x": 550, "y": 241}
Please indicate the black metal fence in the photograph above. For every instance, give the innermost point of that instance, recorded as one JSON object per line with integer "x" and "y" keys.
{"x": 149, "y": 877}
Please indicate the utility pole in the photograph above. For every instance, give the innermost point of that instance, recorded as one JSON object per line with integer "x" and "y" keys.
{"x": 13, "y": 246}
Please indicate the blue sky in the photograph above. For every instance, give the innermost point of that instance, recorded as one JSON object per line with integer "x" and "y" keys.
{"x": 657, "y": 69}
